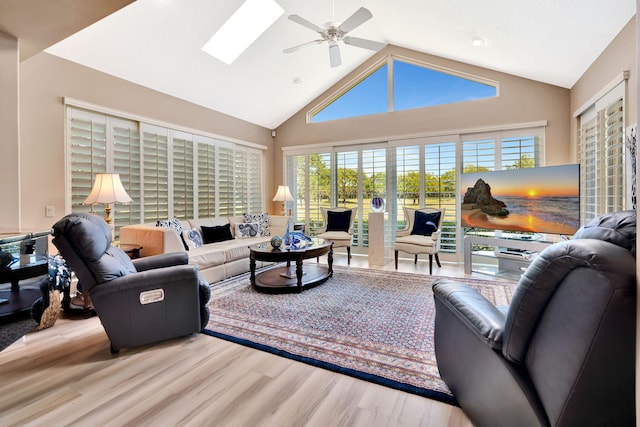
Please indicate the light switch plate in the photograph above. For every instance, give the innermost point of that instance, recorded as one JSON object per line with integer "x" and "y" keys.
{"x": 50, "y": 211}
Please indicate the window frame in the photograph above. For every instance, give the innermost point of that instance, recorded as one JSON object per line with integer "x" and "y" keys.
{"x": 389, "y": 61}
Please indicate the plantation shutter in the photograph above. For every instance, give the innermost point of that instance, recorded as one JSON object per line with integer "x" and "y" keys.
{"x": 206, "y": 177}
{"x": 155, "y": 144}
{"x": 520, "y": 152}
{"x": 601, "y": 151}
{"x": 478, "y": 155}
{"x": 225, "y": 196}
{"x": 241, "y": 204}
{"x": 440, "y": 188}
{"x": 254, "y": 181}
{"x": 183, "y": 179}
{"x": 87, "y": 135}
{"x": 126, "y": 162}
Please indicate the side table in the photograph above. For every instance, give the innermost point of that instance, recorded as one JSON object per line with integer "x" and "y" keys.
{"x": 132, "y": 250}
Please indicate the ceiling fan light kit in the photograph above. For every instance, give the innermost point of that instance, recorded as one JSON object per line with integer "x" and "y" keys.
{"x": 333, "y": 33}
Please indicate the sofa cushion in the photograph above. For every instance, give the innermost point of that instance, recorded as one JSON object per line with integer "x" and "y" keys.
{"x": 215, "y": 234}
{"x": 207, "y": 256}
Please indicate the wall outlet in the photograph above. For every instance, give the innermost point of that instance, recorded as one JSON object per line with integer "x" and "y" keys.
{"x": 50, "y": 211}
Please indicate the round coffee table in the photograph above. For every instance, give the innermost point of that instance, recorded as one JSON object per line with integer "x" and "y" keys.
{"x": 286, "y": 279}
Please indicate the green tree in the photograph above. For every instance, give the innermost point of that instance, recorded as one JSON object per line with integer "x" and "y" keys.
{"x": 347, "y": 184}
{"x": 525, "y": 161}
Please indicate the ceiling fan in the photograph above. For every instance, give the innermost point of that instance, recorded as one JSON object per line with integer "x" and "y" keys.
{"x": 333, "y": 32}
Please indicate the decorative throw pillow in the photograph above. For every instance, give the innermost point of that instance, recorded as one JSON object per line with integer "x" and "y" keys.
{"x": 176, "y": 225}
{"x": 215, "y": 234}
{"x": 338, "y": 221}
{"x": 192, "y": 238}
{"x": 261, "y": 219}
{"x": 250, "y": 229}
{"x": 425, "y": 224}
{"x": 173, "y": 223}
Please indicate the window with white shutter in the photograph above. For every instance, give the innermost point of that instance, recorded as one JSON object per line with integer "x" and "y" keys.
{"x": 167, "y": 172}
{"x": 602, "y": 155}
{"x": 183, "y": 175}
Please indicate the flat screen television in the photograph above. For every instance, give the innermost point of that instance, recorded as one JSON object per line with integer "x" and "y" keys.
{"x": 536, "y": 200}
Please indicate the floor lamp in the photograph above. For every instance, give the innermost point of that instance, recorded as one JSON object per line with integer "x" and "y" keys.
{"x": 283, "y": 195}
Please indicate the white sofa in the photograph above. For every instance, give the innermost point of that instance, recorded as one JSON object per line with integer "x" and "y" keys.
{"x": 216, "y": 261}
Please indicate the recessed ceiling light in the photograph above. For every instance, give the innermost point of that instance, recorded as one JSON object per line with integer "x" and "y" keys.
{"x": 243, "y": 28}
{"x": 477, "y": 41}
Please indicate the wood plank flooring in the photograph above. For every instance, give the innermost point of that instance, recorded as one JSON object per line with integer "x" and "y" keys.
{"x": 66, "y": 375}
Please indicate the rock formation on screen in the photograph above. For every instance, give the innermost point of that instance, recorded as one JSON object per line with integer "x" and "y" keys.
{"x": 479, "y": 197}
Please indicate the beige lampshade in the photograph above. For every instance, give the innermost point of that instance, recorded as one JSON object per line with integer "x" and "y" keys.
{"x": 283, "y": 194}
{"x": 107, "y": 188}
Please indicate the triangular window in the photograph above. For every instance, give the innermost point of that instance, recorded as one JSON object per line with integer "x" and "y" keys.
{"x": 412, "y": 86}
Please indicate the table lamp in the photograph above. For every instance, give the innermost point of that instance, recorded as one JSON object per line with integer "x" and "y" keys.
{"x": 107, "y": 188}
{"x": 283, "y": 195}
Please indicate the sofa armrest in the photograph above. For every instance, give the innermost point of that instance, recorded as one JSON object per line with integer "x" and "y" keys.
{"x": 469, "y": 306}
{"x": 154, "y": 240}
{"x": 159, "y": 261}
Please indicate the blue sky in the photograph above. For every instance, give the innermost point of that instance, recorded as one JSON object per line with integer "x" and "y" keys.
{"x": 414, "y": 87}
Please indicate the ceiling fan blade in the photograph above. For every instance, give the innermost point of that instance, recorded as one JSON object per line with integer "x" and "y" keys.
{"x": 363, "y": 43}
{"x": 294, "y": 48}
{"x": 359, "y": 17}
{"x": 334, "y": 54}
{"x": 299, "y": 20}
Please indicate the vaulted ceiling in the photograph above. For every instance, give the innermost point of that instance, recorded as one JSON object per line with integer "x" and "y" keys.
{"x": 157, "y": 44}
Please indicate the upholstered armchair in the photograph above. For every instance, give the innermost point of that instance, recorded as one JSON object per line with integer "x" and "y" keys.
{"x": 563, "y": 352}
{"x": 421, "y": 235}
{"x": 141, "y": 301}
{"x": 338, "y": 227}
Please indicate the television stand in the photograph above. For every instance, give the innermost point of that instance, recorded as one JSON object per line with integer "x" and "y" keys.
{"x": 500, "y": 256}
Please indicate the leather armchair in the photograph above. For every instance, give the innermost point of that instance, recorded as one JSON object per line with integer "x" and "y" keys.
{"x": 415, "y": 243}
{"x": 141, "y": 301}
{"x": 341, "y": 231}
{"x": 563, "y": 352}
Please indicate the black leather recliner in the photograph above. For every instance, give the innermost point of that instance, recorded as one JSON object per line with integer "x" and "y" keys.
{"x": 141, "y": 301}
{"x": 564, "y": 352}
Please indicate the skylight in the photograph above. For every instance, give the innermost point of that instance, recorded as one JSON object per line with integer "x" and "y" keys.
{"x": 242, "y": 29}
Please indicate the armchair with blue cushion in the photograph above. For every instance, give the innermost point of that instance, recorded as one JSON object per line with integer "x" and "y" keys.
{"x": 138, "y": 302}
{"x": 421, "y": 234}
{"x": 563, "y": 353}
{"x": 338, "y": 227}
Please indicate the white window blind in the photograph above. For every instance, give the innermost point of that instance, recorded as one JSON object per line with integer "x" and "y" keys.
{"x": 225, "y": 195}
{"x": 155, "y": 145}
{"x": 206, "y": 178}
{"x": 440, "y": 187}
{"x": 87, "y": 135}
{"x": 183, "y": 171}
{"x": 126, "y": 162}
{"x": 601, "y": 152}
{"x": 166, "y": 172}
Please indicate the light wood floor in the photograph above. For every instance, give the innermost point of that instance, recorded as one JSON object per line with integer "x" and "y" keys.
{"x": 66, "y": 375}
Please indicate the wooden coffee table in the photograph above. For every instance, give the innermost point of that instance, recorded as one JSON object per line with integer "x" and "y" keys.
{"x": 285, "y": 279}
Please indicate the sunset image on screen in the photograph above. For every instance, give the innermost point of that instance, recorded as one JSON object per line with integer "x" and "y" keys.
{"x": 542, "y": 200}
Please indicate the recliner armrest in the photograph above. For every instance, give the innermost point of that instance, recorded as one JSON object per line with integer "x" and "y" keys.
{"x": 159, "y": 261}
{"x": 159, "y": 277}
{"x": 482, "y": 317}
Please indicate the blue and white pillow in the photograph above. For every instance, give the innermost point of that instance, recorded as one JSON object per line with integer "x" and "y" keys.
{"x": 261, "y": 219}
{"x": 247, "y": 229}
{"x": 192, "y": 238}
{"x": 173, "y": 223}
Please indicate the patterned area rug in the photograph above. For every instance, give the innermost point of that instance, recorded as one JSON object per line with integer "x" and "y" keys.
{"x": 371, "y": 324}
